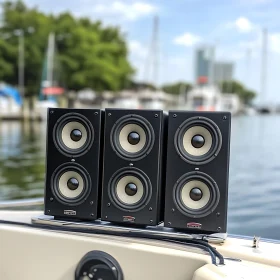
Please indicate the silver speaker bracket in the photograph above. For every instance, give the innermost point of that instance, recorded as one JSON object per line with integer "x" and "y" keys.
{"x": 158, "y": 231}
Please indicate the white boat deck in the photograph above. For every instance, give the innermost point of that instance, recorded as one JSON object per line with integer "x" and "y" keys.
{"x": 139, "y": 258}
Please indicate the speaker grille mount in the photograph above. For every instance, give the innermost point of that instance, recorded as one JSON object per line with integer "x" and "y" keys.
{"x": 132, "y": 124}
{"x": 201, "y": 128}
{"x": 185, "y": 202}
{"x": 69, "y": 125}
{"x": 62, "y": 185}
{"x": 130, "y": 201}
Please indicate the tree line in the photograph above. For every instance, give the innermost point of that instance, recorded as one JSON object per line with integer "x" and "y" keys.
{"x": 246, "y": 95}
{"x": 90, "y": 55}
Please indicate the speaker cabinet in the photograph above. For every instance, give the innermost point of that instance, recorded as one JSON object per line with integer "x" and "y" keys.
{"x": 133, "y": 166}
{"x": 197, "y": 171}
{"x": 74, "y": 146}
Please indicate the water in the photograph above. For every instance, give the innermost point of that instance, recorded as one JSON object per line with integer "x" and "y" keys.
{"x": 254, "y": 185}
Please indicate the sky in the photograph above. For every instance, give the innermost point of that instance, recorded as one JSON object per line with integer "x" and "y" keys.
{"x": 234, "y": 27}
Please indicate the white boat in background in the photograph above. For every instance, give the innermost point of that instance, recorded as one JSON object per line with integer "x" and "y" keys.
{"x": 156, "y": 100}
{"x": 209, "y": 98}
{"x": 41, "y": 108}
{"x": 203, "y": 98}
{"x": 9, "y": 108}
{"x": 249, "y": 111}
{"x": 126, "y": 103}
{"x": 10, "y": 102}
{"x": 231, "y": 103}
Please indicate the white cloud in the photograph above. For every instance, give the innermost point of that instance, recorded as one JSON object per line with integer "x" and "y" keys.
{"x": 255, "y": 45}
{"x": 231, "y": 53}
{"x": 138, "y": 56}
{"x": 137, "y": 49}
{"x": 244, "y": 25}
{"x": 177, "y": 68}
{"x": 128, "y": 11}
{"x": 254, "y": 2}
{"x": 187, "y": 39}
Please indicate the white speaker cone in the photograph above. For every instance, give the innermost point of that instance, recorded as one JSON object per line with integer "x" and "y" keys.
{"x": 125, "y": 131}
{"x": 63, "y": 188}
{"x": 187, "y": 141}
{"x": 188, "y": 201}
{"x": 66, "y": 135}
{"x": 120, "y": 190}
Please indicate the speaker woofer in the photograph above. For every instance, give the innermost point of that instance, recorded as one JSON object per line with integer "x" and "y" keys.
{"x": 73, "y": 135}
{"x": 70, "y": 184}
{"x": 132, "y": 137}
{"x": 130, "y": 189}
{"x": 196, "y": 194}
{"x": 198, "y": 140}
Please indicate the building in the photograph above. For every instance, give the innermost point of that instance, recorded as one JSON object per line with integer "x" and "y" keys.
{"x": 207, "y": 71}
{"x": 204, "y": 62}
{"x": 223, "y": 71}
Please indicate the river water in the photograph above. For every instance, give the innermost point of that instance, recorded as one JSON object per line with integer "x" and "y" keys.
{"x": 254, "y": 184}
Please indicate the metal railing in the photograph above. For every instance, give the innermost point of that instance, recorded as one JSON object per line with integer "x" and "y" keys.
{"x": 21, "y": 203}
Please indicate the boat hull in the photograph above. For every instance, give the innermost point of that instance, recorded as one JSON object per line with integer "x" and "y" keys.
{"x": 48, "y": 254}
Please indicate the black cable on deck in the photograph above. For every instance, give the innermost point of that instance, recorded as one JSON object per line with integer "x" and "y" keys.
{"x": 195, "y": 242}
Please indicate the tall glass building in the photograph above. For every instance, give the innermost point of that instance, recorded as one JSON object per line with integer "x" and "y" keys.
{"x": 204, "y": 63}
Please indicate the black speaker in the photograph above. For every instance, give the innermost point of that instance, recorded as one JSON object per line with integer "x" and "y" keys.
{"x": 197, "y": 171}
{"x": 133, "y": 166}
{"x": 73, "y": 168}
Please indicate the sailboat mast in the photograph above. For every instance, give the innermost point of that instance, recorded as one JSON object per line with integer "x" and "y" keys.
{"x": 21, "y": 63}
{"x": 155, "y": 51}
{"x": 263, "y": 65}
{"x": 50, "y": 59}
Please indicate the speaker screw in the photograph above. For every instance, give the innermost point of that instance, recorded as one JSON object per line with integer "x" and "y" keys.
{"x": 96, "y": 113}
{"x": 151, "y": 221}
{"x": 224, "y": 117}
{"x": 92, "y": 214}
{"x": 169, "y": 223}
{"x": 174, "y": 115}
{"x": 106, "y": 217}
{"x": 48, "y": 211}
{"x": 109, "y": 204}
{"x": 91, "y": 203}
{"x": 218, "y": 214}
{"x": 51, "y": 199}
{"x": 219, "y": 229}
{"x": 150, "y": 209}
{"x": 109, "y": 114}
{"x": 72, "y": 160}
{"x": 156, "y": 115}
{"x": 51, "y": 112}
{"x": 131, "y": 164}
{"x": 173, "y": 210}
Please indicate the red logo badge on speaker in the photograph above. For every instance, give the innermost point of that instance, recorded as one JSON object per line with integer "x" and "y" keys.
{"x": 70, "y": 212}
{"x": 128, "y": 219}
{"x": 194, "y": 225}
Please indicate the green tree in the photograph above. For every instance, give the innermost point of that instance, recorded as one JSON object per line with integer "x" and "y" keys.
{"x": 90, "y": 55}
{"x": 18, "y": 19}
{"x": 244, "y": 94}
{"x": 140, "y": 85}
{"x": 248, "y": 96}
{"x": 177, "y": 88}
